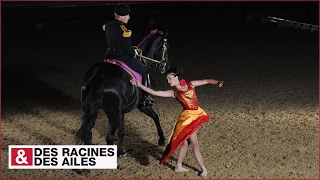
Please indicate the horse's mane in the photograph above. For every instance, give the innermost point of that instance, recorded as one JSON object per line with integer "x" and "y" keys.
{"x": 150, "y": 41}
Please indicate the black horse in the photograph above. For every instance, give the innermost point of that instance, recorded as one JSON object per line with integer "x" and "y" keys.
{"x": 107, "y": 86}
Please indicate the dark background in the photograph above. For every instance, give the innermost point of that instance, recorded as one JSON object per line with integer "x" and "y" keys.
{"x": 264, "y": 119}
{"x": 26, "y": 14}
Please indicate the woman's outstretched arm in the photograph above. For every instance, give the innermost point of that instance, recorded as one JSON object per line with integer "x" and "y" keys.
{"x": 206, "y": 81}
{"x": 168, "y": 93}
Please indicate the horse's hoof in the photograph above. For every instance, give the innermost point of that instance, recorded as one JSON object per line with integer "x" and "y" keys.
{"x": 123, "y": 155}
{"x": 87, "y": 171}
{"x": 162, "y": 143}
{"x": 78, "y": 171}
{"x": 81, "y": 171}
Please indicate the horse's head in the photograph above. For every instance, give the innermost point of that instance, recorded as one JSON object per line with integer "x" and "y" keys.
{"x": 153, "y": 50}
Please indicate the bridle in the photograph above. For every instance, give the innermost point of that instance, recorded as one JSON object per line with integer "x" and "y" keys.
{"x": 161, "y": 63}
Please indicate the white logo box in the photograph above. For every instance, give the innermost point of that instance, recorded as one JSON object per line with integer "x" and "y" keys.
{"x": 63, "y": 157}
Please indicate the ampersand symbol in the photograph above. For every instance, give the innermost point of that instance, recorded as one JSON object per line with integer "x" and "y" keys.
{"x": 21, "y": 154}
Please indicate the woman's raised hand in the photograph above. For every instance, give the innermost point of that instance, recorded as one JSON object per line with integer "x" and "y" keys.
{"x": 220, "y": 83}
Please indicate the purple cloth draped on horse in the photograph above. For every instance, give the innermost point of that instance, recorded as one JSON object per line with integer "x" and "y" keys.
{"x": 127, "y": 68}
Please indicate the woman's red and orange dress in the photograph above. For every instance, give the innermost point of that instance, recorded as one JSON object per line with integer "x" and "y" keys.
{"x": 190, "y": 119}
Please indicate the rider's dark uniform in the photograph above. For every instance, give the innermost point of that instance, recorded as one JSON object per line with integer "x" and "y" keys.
{"x": 120, "y": 47}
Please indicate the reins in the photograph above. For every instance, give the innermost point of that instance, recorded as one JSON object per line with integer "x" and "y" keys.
{"x": 143, "y": 58}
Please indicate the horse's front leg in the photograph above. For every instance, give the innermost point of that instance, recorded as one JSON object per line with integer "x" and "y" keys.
{"x": 150, "y": 112}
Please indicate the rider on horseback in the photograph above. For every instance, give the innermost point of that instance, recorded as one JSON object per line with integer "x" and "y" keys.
{"x": 120, "y": 47}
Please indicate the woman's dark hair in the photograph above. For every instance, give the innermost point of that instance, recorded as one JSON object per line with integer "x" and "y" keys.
{"x": 176, "y": 71}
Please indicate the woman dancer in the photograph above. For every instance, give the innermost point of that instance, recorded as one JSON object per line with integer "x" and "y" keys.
{"x": 190, "y": 119}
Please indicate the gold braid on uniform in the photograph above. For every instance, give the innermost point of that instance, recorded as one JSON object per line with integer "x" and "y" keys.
{"x": 126, "y": 32}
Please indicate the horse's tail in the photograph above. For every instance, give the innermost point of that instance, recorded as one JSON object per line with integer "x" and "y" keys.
{"x": 89, "y": 116}
{"x": 90, "y": 99}
{"x": 91, "y": 73}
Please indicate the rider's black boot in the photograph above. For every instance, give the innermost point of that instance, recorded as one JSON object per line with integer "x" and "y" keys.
{"x": 147, "y": 100}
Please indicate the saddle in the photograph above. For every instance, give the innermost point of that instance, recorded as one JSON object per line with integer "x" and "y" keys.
{"x": 132, "y": 73}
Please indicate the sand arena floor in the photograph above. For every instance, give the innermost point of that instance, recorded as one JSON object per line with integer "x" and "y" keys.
{"x": 264, "y": 120}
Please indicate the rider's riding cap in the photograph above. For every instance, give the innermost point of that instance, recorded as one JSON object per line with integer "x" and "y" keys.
{"x": 122, "y": 10}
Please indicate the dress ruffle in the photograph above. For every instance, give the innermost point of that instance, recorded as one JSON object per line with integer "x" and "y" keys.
{"x": 188, "y": 122}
